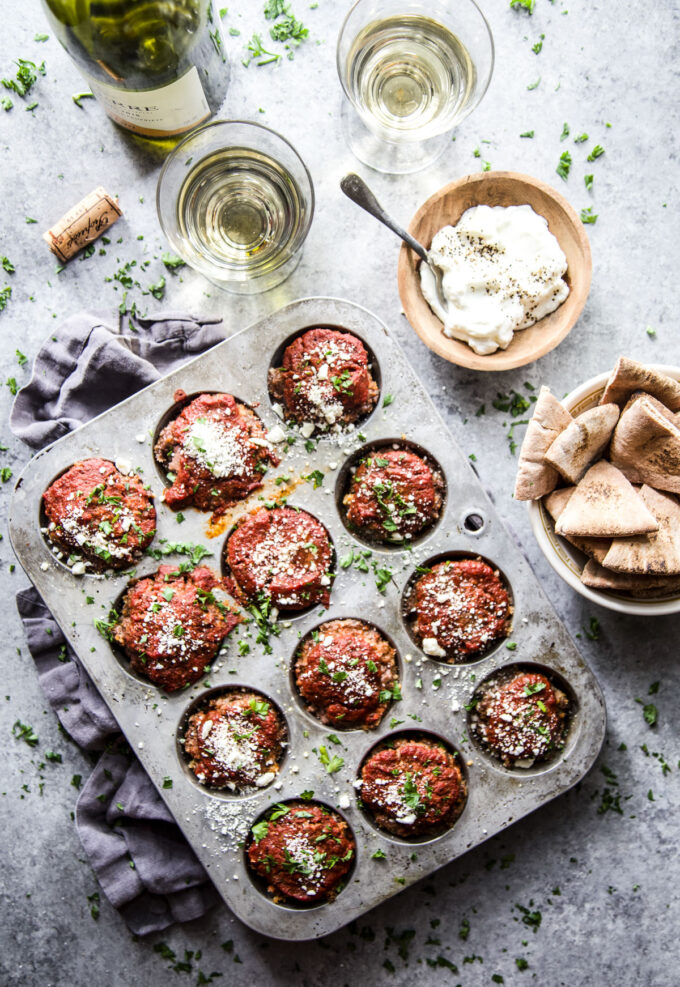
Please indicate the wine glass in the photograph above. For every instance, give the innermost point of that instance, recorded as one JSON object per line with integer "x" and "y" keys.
{"x": 411, "y": 71}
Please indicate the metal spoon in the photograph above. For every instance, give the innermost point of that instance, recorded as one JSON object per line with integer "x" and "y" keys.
{"x": 357, "y": 190}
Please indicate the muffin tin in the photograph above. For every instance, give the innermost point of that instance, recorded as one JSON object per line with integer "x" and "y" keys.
{"x": 434, "y": 695}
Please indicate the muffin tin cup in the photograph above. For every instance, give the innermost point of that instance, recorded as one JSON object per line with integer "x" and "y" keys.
{"x": 434, "y": 694}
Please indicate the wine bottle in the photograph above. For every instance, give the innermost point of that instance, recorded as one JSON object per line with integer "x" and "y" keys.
{"x": 156, "y": 66}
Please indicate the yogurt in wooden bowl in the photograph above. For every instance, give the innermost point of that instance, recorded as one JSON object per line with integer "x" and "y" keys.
{"x": 500, "y": 188}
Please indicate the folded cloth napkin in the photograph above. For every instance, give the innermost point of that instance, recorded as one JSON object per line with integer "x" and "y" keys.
{"x": 145, "y": 866}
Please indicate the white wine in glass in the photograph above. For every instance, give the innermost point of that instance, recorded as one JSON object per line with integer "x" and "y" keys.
{"x": 411, "y": 71}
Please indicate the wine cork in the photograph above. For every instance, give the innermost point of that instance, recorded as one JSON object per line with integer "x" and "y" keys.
{"x": 82, "y": 224}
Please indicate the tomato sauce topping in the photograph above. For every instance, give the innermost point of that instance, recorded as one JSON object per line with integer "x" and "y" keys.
{"x": 394, "y": 495}
{"x": 283, "y": 555}
{"x": 99, "y": 516}
{"x": 461, "y": 608}
{"x": 173, "y": 623}
{"x": 347, "y": 674}
{"x": 215, "y": 452}
{"x": 413, "y": 787}
{"x": 235, "y": 741}
{"x": 325, "y": 379}
{"x": 303, "y": 851}
{"x": 520, "y": 717}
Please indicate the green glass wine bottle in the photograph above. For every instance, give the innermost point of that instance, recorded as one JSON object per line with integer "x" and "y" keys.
{"x": 156, "y": 66}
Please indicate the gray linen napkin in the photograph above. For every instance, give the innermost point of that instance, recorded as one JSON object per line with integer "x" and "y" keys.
{"x": 145, "y": 866}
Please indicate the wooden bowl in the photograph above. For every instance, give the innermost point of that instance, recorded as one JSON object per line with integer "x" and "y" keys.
{"x": 497, "y": 188}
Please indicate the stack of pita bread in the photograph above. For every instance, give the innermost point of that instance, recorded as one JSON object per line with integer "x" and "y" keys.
{"x": 609, "y": 479}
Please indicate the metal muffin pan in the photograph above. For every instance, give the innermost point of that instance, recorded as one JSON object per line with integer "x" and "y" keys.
{"x": 434, "y": 694}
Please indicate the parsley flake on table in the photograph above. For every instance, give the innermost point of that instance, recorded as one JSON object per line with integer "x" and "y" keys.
{"x": 534, "y": 85}
{"x": 539, "y": 44}
{"x": 7, "y": 265}
{"x": 527, "y": 133}
{"x": 27, "y": 74}
{"x": 588, "y": 216}
{"x": 172, "y": 262}
{"x": 566, "y": 130}
{"x": 564, "y": 165}
{"x": 77, "y": 97}
{"x": 22, "y": 731}
{"x": 528, "y": 5}
{"x": 588, "y": 180}
{"x": 257, "y": 50}
{"x": 581, "y": 139}
{"x": 596, "y": 152}
{"x": 5, "y": 295}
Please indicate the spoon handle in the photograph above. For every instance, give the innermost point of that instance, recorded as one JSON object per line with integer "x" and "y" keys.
{"x": 358, "y": 191}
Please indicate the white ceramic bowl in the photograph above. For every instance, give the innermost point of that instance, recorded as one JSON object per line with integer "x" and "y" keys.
{"x": 566, "y": 560}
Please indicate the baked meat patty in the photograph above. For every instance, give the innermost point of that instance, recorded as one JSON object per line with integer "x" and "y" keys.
{"x": 172, "y": 625}
{"x": 413, "y": 787}
{"x": 235, "y": 741}
{"x": 520, "y": 717}
{"x": 346, "y": 673}
{"x": 281, "y": 555}
{"x": 459, "y": 609}
{"x": 325, "y": 379}
{"x": 98, "y": 517}
{"x": 303, "y": 851}
{"x": 393, "y": 495}
{"x": 215, "y": 452}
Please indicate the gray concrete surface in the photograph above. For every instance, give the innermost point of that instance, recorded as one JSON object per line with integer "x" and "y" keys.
{"x": 605, "y": 884}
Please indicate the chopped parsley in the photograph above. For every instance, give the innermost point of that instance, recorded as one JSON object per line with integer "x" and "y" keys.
{"x": 331, "y": 764}
{"x": 316, "y": 477}
{"x": 22, "y": 731}
{"x": 528, "y": 5}
{"x": 172, "y": 262}
{"x": 564, "y": 165}
{"x": 565, "y": 131}
{"x": 588, "y": 181}
{"x": 27, "y": 74}
{"x": 387, "y": 400}
{"x": 588, "y": 216}
{"x": 534, "y": 85}
{"x": 596, "y": 152}
{"x": 196, "y": 553}
{"x": 528, "y": 133}
{"x": 77, "y": 97}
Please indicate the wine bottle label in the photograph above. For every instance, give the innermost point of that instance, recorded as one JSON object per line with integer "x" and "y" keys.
{"x": 172, "y": 109}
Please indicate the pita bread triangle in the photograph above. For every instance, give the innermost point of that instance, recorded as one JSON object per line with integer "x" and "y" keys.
{"x": 657, "y": 553}
{"x": 629, "y": 375}
{"x": 605, "y": 504}
{"x": 534, "y": 476}
{"x": 595, "y": 548}
{"x": 646, "y": 444}
{"x": 582, "y": 441}
{"x": 597, "y": 577}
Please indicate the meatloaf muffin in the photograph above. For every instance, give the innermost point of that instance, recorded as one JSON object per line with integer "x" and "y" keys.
{"x": 235, "y": 741}
{"x": 172, "y": 625}
{"x": 325, "y": 379}
{"x": 458, "y": 610}
{"x": 99, "y": 518}
{"x": 413, "y": 787}
{"x": 283, "y": 555}
{"x": 347, "y": 674}
{"x": 303, "y": 851}
{"x": 520, "y": 717}
{"x": 393, "y": 495}
{"x": 215, "y": 453}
